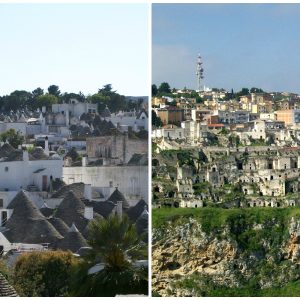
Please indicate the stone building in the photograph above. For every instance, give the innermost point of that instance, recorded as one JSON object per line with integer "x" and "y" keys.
{"x": 115, "y": 149}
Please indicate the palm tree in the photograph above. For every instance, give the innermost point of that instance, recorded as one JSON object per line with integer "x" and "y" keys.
{"x": 115, "y": 245}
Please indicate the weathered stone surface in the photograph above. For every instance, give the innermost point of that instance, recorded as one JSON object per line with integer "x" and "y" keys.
{"x": 185, "y": 249}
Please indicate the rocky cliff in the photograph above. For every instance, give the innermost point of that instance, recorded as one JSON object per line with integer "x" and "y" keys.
{"x": 212, "y": 252}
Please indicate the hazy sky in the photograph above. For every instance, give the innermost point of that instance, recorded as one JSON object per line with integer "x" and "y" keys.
{"x": 242, "y": 45}
{"x": 79, "y": 47}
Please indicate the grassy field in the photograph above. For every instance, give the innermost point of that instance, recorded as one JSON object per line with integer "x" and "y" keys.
{"x": 213, "y": 218}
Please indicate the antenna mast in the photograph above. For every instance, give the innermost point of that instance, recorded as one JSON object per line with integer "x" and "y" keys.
{"x": 199, "y": 72}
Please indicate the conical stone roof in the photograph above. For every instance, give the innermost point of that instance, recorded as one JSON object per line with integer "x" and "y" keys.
{"x": 106, "y": 113}
{"x": 59, "y": 225}
{"x": 73, "y": 241}
{"x": 6, "y": 149}
{"x": 71, "y": 210}
{"x": 117, "y": 196}
{"x": 6, "y": 290}
{"x": 134, "y": 212}
{"x": 27, "y": 224}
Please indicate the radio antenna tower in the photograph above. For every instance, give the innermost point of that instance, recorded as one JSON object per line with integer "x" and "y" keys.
{"x": 199, "y": 72}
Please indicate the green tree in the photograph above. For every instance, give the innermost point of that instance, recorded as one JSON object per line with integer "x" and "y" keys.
{"x": 164, "y": 88}
{"x": 45, "y": 100}
{"x": 54, "y": 90}
{"x": 243, "y": 92}
{"x": 37, "y": 92}
{"x": 100, "y": 100}
{"x": 116, "y": 244}
{"x": 154, "y": 90}
{"x": 114, "y": 101}
{"x": 66, "y": 97}
{"x": 256, "y": 90}
{"x": 16, "y": 100}
{"x": 44, "y": 274}
{"x": 12, "y": 137}
{"x": 106, "y": 89}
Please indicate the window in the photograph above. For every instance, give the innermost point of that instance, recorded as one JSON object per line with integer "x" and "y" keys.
{"x": 110, "y": 184}
{"x": 6, "y": 169}
{"x": 1, "y": 203}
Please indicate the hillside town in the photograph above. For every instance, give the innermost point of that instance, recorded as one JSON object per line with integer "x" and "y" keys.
{"x": 231, "y": 149}
{"x": 66, "y": 165}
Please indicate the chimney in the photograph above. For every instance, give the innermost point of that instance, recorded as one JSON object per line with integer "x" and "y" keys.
{"x": 119, "y": 209}
{"x": 67, "y": 117}
{"x": 84, "y": 161}
{"x": 46, "y": 146}
{"x": 89, "y": 212}
{"x": 25, "y": 155}
{"x": 88, "y": 191}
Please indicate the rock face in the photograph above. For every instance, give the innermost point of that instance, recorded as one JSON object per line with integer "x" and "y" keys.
{"x": 292, "y": 247}
{"x": 182, "y": 250}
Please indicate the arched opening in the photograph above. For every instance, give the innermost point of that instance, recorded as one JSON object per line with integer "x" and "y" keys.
{"x": 156, "y": 189}
{"x": 195, "y": 205}
{"x": 171, "y": 194}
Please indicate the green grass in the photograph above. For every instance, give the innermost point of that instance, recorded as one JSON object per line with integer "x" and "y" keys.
{"x": 212, "y": 218}
{"x": 292, "y": 289}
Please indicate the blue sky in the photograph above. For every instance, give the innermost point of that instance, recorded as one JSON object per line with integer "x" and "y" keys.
{"x": 242, "y": 45}
{"x": 79, "y": 47}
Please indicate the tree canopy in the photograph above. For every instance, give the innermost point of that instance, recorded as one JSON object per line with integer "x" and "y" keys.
{"x": 54, "y": 90}
{"x": 12, "y": 137}
{"x": 106, "y": 96}
{"x": 116, "y": 243}
{"x": 164, "y": 88}
{"x": 44, "y": 274}
{"x": 154, "y": 90}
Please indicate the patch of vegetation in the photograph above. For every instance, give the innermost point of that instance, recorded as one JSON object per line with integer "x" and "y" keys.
{"x": 214, "y": 218}
{"x": 258, "y": 232}
{"x": 202, "y": 187}
{"x": 204, "y": 286}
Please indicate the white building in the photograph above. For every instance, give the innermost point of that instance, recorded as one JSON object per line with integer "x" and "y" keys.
{"x": 169, "y": 132}
{"x": 75, "y": 108}
{"x": 135, "y": 120}
{"x": 20, "y": 169}
{"x": 130, "y": 179}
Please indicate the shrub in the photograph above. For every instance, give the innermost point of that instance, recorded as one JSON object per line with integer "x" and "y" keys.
{"x": 43, "y": 274}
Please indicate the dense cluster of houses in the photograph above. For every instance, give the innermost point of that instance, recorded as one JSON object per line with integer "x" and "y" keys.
{"x": 252, "y": 143}
{"x": 74, "y": 166}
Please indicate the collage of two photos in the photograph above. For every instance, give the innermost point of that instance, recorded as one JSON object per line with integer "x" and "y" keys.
{"x": 149, "y": 150}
